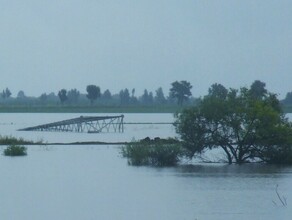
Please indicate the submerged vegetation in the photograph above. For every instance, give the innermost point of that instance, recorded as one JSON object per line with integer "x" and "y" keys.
{"x": 15, "y": 150}
{"x": 9, "y": 140}
{"x": 157, "y": 152}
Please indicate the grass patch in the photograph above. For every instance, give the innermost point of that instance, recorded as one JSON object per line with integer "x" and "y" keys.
{"x": 15, "y": 150}
{"x": 9, "y": 140}
{"x": 153, "y": 152}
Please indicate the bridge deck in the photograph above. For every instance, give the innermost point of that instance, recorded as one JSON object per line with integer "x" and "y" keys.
{"x": 90, "y": 124}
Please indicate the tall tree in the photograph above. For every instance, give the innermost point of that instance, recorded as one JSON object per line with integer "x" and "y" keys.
{"x": 218, "y": 91}
{"x": 258, "y": 89}
{"x": 147, "y": 98}
{"x": 107, "y": 95}
{"x": 20, "y": 94}
{"x": 133, "y": 99}
{"x": 159, "y": 97}
{"x": 124, "y": 97}
{"x": 6, "y": 93}
{"x": 245, "y": 128}
{"x": 63, "y": 95}
{"x": 180, "y": 91}
{"x": 93, "y": 92}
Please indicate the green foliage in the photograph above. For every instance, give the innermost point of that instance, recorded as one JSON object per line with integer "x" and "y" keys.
{"x": 9, "y": 140}
{"x": 218, "y": 91}
{"x": 73, "y": 95}
{"x": 15, "y": 150}
{"x": 180, "y": 91}
{"x": 159, "y": 97}
{"x": 147, "y": 98}
{"x": 93, "y": 92}
{"x": 124, "y": 97}
{"x": 154, "y": 153}
{"x": 288, "y": 99}
{"x": 246, "y": 125}
{"x": 6, "y": 93}
{"x": 62, "y": 95}
{"x": 257, "y": 89}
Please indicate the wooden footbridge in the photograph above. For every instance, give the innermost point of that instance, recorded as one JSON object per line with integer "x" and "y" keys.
{"x": 87, "y": 124}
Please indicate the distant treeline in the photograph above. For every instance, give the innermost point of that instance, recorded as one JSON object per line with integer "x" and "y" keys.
{"x": 178, "y": 95}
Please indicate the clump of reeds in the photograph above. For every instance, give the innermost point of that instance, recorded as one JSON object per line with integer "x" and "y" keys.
{"x": 15, "y": 150}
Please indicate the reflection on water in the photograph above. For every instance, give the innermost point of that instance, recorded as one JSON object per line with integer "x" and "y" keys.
{"x": 95, "y": 182}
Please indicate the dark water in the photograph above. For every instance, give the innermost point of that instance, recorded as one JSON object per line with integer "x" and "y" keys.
{"x": 95, "y": 182}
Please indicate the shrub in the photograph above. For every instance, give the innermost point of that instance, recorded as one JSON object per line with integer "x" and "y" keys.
{"x": 152, "y": 153}
{"x": 15, "y": 150}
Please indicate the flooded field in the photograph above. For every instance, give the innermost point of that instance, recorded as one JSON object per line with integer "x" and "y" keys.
{"x": 95, "y": 182}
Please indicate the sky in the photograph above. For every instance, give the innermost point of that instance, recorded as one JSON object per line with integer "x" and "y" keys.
{"x": 49, "y": 45}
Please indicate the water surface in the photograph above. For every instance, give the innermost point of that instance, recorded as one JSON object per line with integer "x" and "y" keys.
{"x": 95, "y": 182}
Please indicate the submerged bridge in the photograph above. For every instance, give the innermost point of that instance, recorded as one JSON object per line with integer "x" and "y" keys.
{"x": 84, "y": 124}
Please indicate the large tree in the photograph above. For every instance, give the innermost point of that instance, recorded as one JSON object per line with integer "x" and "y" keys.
{"x": 245, "y": 128}
{"x": 258, "y": 89}
{"x": 218, "y": 90}
{"x": 93, "y": 92}
{"x": 180, "y": 91}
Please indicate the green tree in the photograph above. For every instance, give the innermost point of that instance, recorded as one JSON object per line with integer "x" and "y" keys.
{"x": 159, "y": 97}
{"x": 124, "y": 97}
{"x": 73, "y": 95}
{"x": 288, "y": 99}
{"x": 218, "y": 91}
{"x": 6, "y": 93}
{"x": 133, "y": 99}
{"x": 43, "y": 98}
{"x": 246, "y": 129}
{"x": 93, "y": 92}
{"x": 180, "y": 91}
{"x": 63, "y": 95}
{"x": 147, "y": 98}
{"x": 107, "y": 95}
{"x": 258, "y": 89}
{"x": 21, "y": 95}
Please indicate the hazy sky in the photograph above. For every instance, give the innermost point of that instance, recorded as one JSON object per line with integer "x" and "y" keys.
{"x": 47, "y": 45}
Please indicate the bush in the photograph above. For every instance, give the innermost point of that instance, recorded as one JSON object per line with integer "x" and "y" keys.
{"x": 15, "y": 150}
{"x": 152, "y": 153}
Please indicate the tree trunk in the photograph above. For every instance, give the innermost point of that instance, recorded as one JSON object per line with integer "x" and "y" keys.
{"x": 229, "y": 157}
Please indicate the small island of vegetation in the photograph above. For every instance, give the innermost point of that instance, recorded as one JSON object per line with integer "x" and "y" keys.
{"x": 15, "y": 150}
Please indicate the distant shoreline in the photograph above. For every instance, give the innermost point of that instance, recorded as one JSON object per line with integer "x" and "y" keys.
{"x": 71, "y": 143}
{"x": 99, "y": 109}
{"x": 89, "y": 109}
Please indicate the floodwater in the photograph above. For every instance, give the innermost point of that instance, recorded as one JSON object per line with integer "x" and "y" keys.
{"x": 94, "y": 182}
